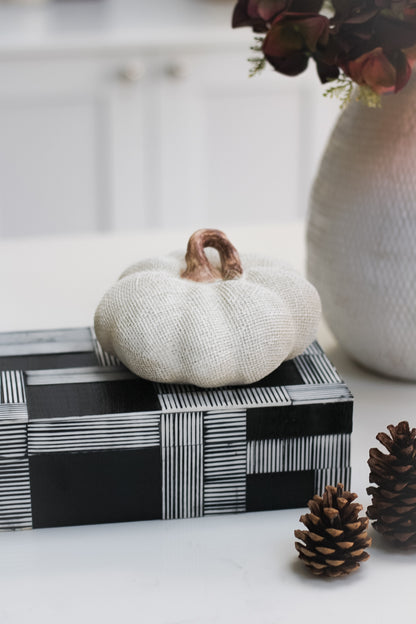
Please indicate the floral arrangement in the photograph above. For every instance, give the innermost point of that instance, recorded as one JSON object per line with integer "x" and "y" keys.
{"x": 371, "y": 43}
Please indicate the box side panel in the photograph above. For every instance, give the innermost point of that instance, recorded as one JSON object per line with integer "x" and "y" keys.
{"x": 225, "y": 462}
{"x": 284, "y": 490}
{"x": 182, "y": 465}
{"x": 280, "y": 490}
{"x": 92, "y": 488}
{"x": 306, "y": 419}
{"x": 314, "y": 452}
{"x": 15, "y": 497}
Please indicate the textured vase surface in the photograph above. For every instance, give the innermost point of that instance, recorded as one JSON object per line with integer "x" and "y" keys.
{"x": 362, "y": 233}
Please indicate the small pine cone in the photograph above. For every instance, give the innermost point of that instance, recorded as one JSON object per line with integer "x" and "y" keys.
{"x": 394, "y": 500}
{"x": 335, "y": 542}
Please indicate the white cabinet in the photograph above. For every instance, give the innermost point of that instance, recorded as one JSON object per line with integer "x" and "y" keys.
{"x": 235, "y": 149}
{"x": 119, "y": 140}
{"x": 71, "y": 146}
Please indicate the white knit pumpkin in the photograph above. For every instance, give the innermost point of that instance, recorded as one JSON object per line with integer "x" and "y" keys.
{"x": 168, "y": 328}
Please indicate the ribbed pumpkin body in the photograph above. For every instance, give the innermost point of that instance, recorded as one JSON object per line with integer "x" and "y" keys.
{"x": 174, "y": 330}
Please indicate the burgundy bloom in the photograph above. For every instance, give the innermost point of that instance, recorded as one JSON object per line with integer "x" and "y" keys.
{"x": 259, "y": 14}
{"x": 292, "y": 39}
{"x": 353, "y": 11}
{"x": 371, "y": 41}
{"x": 327, "y": 71}
{"x": 394, "y": 33}
{"x": 375, "y": 70}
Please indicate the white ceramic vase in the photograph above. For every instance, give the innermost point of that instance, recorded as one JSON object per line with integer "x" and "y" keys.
{"x": 362, "y": 233}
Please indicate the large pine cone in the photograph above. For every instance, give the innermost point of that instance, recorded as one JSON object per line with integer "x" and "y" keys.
{"x": 335, "y": 542}
{"x": 394, "y": 501}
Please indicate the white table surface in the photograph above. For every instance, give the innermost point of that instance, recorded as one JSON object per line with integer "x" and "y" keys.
{"x": 223, "y": 569}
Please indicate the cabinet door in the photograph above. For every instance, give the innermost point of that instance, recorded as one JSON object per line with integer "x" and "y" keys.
{"x": 234, "y": 148}
{"x": 71, "y": 146}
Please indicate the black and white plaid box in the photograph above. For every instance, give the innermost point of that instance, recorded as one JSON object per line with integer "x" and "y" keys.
{"x": 82, "y": 440}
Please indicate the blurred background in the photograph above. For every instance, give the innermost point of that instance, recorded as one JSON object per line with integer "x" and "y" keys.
{"x": 122, "y": 115}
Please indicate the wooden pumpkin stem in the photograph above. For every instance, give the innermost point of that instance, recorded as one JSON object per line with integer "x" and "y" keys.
{"x": 198, "y": 267}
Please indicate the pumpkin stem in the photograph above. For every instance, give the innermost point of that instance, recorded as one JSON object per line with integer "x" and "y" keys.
{"x": 198, "y": 267}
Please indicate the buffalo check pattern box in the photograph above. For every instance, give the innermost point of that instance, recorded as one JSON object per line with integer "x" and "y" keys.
{"x": 84, "y": 441}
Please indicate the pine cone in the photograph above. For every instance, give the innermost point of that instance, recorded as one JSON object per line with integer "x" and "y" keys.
{"x": 337, "y": 537}
{"x": 394, "y": 501}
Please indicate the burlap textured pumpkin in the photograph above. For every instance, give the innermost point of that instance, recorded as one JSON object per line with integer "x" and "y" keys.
{"x": 208, "y": 319}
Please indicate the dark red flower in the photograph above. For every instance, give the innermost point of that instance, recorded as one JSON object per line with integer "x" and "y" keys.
{"x": 259, "y": 14}
{"x": 375, "y": 70}
{"x": 326, "y": 71}
{"x": 349, "y": 41}
{"x": 393, "y": 33}
{"x": 353, "y": 11}
{"x": 371, "y": 41}
{"x": 292, "y": 39}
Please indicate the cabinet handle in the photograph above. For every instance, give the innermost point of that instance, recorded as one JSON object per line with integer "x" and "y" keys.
{"x": 179, "y": 71}
{"x": 131, "y": 73}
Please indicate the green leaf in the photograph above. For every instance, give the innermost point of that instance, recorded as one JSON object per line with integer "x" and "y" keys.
{"x": 368, "y": 97}
{"x": 258, "y": 63}
{"x": 342, "y": 89}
